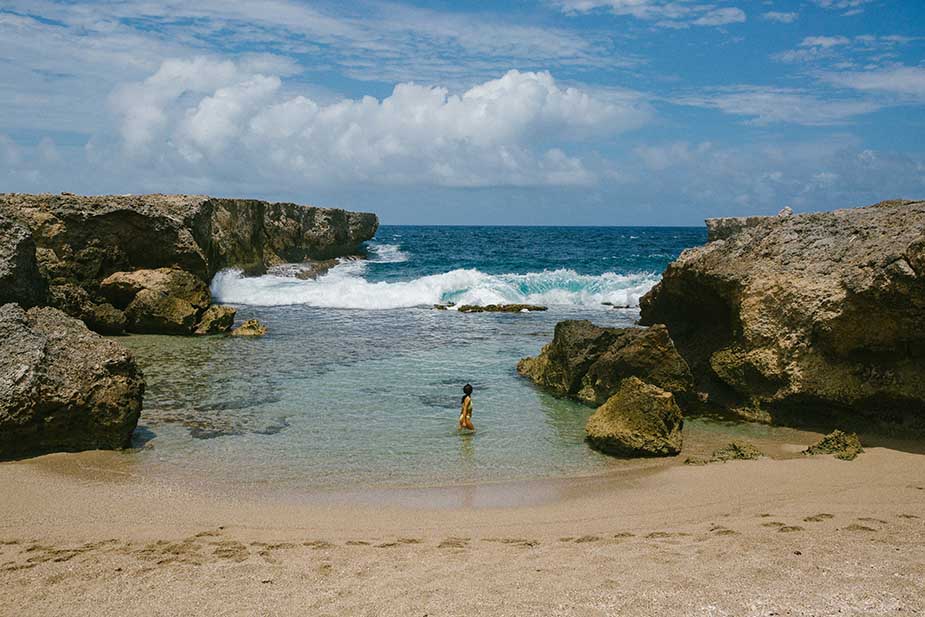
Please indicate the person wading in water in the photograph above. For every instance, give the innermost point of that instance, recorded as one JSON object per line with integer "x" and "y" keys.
{"x": 465, "y": 413}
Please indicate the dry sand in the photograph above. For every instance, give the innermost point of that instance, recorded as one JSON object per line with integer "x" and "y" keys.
{"x": 770, "y": 537}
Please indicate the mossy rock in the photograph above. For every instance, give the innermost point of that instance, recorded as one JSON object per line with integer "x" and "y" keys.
{"x": 737, "y": 451}
{"x": 251, "y": 327}
{"x": 845, "y": 446}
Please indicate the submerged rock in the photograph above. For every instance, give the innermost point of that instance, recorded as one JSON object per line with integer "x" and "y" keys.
{"x": 805, "y": 318}
{"x": 251, "y": 327}
{"x": 639, "y": 420}
{"x": 216, "y": 319}
{"x": 845, "y": 446}
{"x": 63, "y": 387}
{"x": 501, "y": 308}
{"x": 589, "y": 363}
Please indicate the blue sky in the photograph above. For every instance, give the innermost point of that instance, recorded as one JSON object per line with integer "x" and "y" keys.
{"x": 554, "y": 112}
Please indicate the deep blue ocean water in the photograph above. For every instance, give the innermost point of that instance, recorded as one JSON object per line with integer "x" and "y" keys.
{"x": 359, "y": 380}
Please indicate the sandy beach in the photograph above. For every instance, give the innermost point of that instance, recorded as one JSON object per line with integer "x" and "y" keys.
{"x": 804, "y": 536}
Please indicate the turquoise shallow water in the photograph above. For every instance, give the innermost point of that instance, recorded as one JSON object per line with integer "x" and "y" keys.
{"x": 358, "y": 382}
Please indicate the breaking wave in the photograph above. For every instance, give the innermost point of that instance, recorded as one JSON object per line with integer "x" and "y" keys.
{"x": 345, "y": 287}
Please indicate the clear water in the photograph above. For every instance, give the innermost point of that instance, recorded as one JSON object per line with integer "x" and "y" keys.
{"x": 358, "y": 382}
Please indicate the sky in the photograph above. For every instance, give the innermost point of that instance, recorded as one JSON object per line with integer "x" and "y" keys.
{"x": 551, "y": 112}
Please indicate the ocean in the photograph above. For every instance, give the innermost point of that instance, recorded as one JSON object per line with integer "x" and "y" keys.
{"x": 358, "y": 382}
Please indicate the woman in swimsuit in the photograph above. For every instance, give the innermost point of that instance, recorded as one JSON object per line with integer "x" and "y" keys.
{"x": 465, "y": 413}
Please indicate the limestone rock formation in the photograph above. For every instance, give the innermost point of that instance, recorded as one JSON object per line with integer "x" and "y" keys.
{"x": 20, "y": 280}
{"x": 80, "y": 241}
{"x": 640, "y": 419}
{"x": 251, "y": 327}
{"x": 63, "y": 387}
{"x": 845, "y": 446}
{"x": 74, "y": 300}
{"x": 805, "y": 318}
{"x": 501, "y": 308}
{"x": 216, "y": 319}
{"x": 588, "y": 362}
{"x": 165, "y": 300}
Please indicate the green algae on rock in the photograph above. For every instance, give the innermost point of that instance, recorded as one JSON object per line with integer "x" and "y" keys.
{"x": 639, "y": 420}
{"x": 737, "y": 451}
{"x": 845, "y": 446}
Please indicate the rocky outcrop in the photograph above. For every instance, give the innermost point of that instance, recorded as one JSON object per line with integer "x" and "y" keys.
{"x": 805, "y": 318}
{"x": 77, "y": 241}
{"x": 251, "y": 327}
{"x": 640, "y": 419}
{"x": 501, "y": 308}
{"x": 588, "y": 362}
{"x": 217, "y": 319}
{"x": 20, "y": 280}
{"x": 63, "y": 387}
{"x": 166, "y": 300}
{"x": 844, "y": 446}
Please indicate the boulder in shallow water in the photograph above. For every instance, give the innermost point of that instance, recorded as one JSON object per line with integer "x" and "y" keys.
{"x": 589, "y": 363}
{"x": 63, "y": 387}
{"x": 845, "y": 446}
{"x": 216, "y": 319}
{"x": 160, "y": 301}
{"x": 805, "y": 319}
{"x": 639, "y": 420}
{"x": 251, "y": 327}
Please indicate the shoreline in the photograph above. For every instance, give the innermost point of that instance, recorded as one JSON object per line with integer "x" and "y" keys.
{"x": 765, "y": 528}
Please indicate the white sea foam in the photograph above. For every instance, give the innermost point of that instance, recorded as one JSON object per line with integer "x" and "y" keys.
{"x": 345, "y": 287}
{"x": 387, "y": 254}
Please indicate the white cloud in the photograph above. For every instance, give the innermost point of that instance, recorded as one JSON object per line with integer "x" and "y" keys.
{"x": 665, "y": 13}
{"x": 905, "y": 81}
{"x": 765, "y": 105}
{"x": 851, "y": 7}
{"x": 219, "y": 117}
{"x": 780, "y": 17}
{"x": 824, "y": 41}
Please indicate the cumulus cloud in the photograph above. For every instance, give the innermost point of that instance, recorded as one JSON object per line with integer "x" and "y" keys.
{"x": 765, "y": 105}
{"x": 665, "y": 13}
{"x": 222, "y": 117}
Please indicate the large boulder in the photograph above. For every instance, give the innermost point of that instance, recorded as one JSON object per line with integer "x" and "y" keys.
{"x": 216, "y": 319}
{"x": 76, "y": 240}
{"x": 640, "y": 419}
{"x": 62, "y": 387}
{"x": 589, "y": 363}
{"x": 20, "y": 280}
{"x": 74, "y": 300}
{"x": 805, "y": 318}
{"x": 165, "y": 300}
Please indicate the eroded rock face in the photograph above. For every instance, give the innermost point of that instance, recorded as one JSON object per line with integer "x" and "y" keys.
{"x": 800, "y": 318}
{"x": 20, "y": 280}
{"x": 80, "y": 241}
{"x": 588, "y": 362}
{"x": 640, "y": 419}
{"x": 251, "y": 327}
{"x": 62, "y": 387}
{"x": 165, "y": 300}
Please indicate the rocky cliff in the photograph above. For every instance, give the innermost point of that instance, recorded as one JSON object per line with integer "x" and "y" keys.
{"x": 805, "y": 318}
{"x": 57, "y": 249}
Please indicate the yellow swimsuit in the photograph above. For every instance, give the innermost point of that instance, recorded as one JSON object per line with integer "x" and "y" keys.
{"x": 465, "y": 414}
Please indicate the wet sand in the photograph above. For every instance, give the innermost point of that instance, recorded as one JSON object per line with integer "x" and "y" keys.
{"x": 804, "y": 536}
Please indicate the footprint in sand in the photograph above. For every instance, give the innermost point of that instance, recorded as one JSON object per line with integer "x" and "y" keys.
{"x": 856, "y": 527}
{"x": 868, "y": 519}
{"x": 907, "y": 516}
{"x": 453, "y": 543}
{"x": 818, "y": 518}
{"x": 623, "y": 535}
{"x": 659, "y": 534}
{"x": 585, "y": 539}
{"x": 231, "y": 550}
{"x": 723, "y": 531}
{"x": 357, "y": 543}
{"x": 789, "y": 529}
{"x": 319, "y": 544}
{"x": 522, "y": 542}
{"x": 774, "y": 524}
